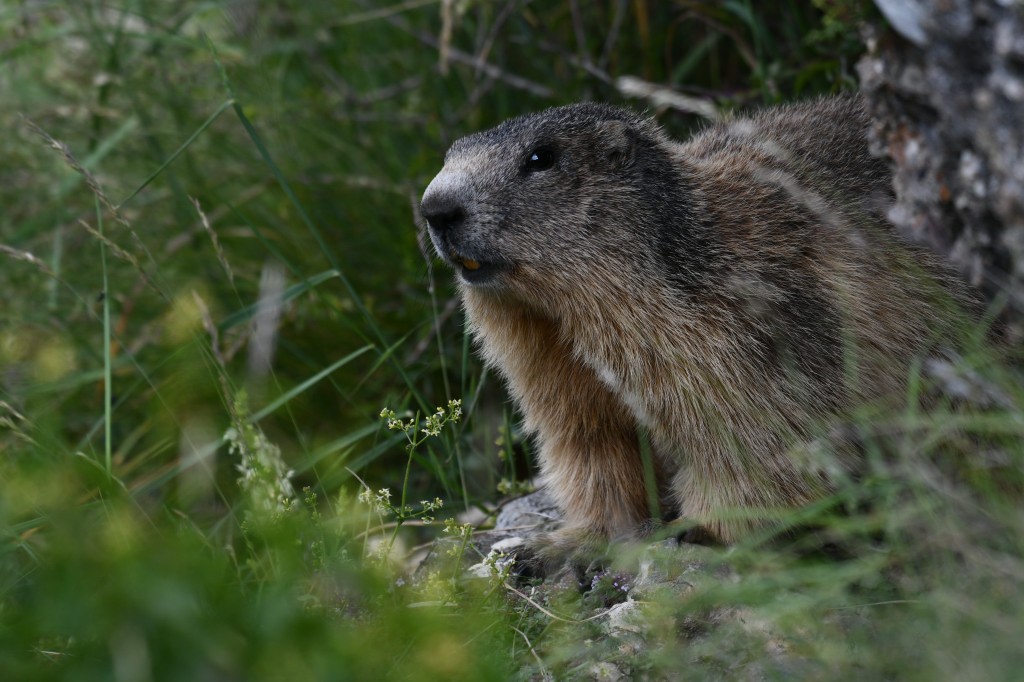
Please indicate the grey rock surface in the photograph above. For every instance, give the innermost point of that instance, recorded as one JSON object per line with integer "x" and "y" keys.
{"x": 946, "y": 90}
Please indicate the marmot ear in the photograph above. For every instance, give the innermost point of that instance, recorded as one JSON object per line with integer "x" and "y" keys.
{"x": 618, "y": 142}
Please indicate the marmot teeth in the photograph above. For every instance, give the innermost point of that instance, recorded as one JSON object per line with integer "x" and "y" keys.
{"x": 467, "y": 263}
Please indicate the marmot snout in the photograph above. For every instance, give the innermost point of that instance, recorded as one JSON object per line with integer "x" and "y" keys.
{"x": 728, "y": 297}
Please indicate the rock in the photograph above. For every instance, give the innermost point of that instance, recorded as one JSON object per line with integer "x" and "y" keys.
{"x": 519, "y": 520}
{"x": 527, "y": 516}
{"x": 629, "y": 626}
{"x": 947, "y": 97}
{"x": 606, "y": 672}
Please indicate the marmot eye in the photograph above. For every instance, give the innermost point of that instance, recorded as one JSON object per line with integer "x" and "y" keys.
{"x": 539, "y": 159}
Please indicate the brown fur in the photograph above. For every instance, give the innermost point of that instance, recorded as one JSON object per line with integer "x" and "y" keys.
{"x": 730, "y": 295}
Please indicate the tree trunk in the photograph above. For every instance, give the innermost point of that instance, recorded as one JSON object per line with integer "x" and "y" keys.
{"x": 945, "y": 87}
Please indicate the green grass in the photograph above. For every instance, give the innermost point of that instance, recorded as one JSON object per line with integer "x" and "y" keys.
{"x": 164, "y": 159}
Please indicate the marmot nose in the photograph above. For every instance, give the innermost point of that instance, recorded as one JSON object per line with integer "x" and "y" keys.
{"x": 442, "y": 215}
{"x": 446, "y": 199}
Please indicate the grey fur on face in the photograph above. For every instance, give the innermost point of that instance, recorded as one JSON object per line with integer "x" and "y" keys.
{"x": 544, "y": 175}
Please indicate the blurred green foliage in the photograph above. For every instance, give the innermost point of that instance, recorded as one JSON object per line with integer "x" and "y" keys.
{"x": 193, "y": 154}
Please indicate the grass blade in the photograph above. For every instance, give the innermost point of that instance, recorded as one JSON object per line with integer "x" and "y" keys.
{"x": 107, "y": 388}
{"x": 192, "y": 138}
{"x": 307, "y": 383}
{"x": 245, "y": 314}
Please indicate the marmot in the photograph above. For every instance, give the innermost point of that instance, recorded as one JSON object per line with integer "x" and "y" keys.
{"x": 722, "y": 299}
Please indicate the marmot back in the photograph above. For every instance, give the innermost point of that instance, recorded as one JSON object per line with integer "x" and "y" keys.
{"x": 730, "y": 295}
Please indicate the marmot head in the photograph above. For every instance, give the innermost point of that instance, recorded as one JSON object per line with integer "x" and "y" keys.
{"x": 543, "y": 199}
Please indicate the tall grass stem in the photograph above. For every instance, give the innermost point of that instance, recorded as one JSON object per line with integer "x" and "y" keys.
{"x": 107, "y": 388}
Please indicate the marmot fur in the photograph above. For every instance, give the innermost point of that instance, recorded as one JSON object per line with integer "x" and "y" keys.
{"x": 720, "y": 299}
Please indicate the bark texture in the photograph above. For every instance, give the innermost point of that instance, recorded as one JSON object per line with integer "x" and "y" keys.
{"x": 945, "y": 87}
